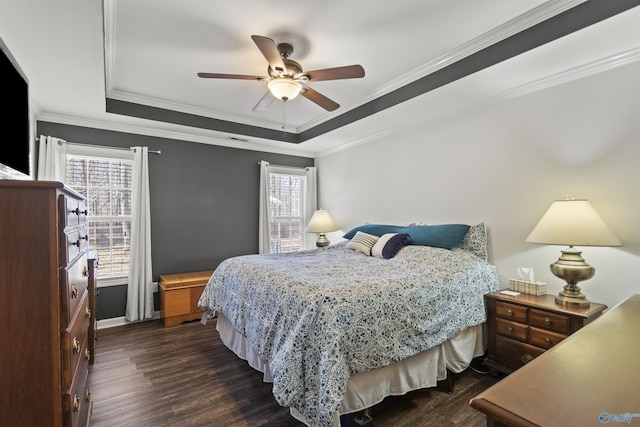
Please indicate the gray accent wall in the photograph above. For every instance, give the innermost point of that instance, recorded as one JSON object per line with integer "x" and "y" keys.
{"x": 204, "y": 201}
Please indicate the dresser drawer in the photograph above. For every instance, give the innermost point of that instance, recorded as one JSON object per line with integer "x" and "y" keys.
{"x": 543, "y": 338}
{"x": 75, "y": 341}
{"x": 550, "y": 321}
{"x": 513, "y": 330}
{"x": 77, "y": 400}
{"x": 514, "y": 354}
{"x": 75, "y": 241}
{"x": 75, "y": 211}
{"x": 75, "y": 282}
{"x": 513, "y": 312}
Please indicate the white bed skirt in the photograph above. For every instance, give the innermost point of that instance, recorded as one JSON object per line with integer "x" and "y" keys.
{"x": 368, "y": 388}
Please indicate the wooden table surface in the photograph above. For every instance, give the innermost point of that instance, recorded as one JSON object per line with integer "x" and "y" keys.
{"x": 592, "y": 374}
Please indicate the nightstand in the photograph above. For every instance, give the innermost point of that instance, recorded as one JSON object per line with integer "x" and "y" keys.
{"x": 523, "y": 327}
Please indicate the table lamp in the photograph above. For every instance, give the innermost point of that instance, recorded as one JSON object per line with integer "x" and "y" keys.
{"x": 572, "y": 223}
{"x": 321, "y": 223}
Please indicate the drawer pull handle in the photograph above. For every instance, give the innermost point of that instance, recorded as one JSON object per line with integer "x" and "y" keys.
{"x": 547, "y": 340}
{"x": 510, "y": 329}
{"x": 526, "y": 358}
{"x": 87, "y": 353}
{"x": 88, "y": 313}
{"x": 85, "y": 272}
{"x": 74, "y": 291}
{"x": 77, "y": 211}
{"x": 510, "y": 312}
{"x": 76, "y": 345}
{"x": 547, "y": 321}
{"x": 76, "y": 243}
{"x": 76, "y": 403}
{"x": 87, "y": 395}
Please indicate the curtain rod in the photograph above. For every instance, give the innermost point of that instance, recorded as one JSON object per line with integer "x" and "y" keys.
{"x": 112, "y": 148}
{"x": 104, "y": 146}
{"x": 290, "y": 167}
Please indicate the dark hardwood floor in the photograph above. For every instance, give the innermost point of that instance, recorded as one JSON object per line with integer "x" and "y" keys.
{"x": 146, "y": 375}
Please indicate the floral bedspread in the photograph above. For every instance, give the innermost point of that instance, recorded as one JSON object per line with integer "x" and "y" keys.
{"x": 317, "y": 317}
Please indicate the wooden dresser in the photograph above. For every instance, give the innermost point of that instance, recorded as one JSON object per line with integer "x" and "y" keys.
{"x": 522, "y": 327}
{"x": 47, "y": 291}
{"x": 590, "y": 379}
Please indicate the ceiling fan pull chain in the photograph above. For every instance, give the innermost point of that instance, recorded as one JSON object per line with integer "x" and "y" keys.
{"x": 284, "y": 117}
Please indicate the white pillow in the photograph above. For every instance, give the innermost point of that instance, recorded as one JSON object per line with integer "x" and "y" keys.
{"x": 362, "y": 242}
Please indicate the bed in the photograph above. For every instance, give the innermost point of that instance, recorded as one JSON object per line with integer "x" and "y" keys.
{"x": 336, "y": 329}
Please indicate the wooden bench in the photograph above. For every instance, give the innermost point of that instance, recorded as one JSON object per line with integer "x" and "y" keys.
{"x": 179, "y": 295}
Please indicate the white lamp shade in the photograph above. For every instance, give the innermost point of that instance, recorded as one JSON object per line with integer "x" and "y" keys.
{"x": 321, "y": 222}
{"x": 572, "y": 223}
{"x": 284, "y": 88}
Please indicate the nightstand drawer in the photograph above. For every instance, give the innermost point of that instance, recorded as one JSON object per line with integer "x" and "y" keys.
{"x": 513, "y": 330}
{"x": 550, "y": 321}
{"x": 515, "y": 354}
{"x": 544, "y": 339}
{"x": 513, "y": 312}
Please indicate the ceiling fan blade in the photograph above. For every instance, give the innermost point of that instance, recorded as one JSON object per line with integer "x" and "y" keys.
{"x": 230, "y": 76}
{"x": 318, "y": 98}
{"x": 337, "y": 73}
{"x": 270, "y": 51}
{"x": 265, "y": 102}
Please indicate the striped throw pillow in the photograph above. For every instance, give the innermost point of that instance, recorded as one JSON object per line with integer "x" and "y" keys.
{"x": 362, "y": 242}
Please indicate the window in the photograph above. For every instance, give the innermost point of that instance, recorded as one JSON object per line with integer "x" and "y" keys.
{"x": 104, "y": 176}
{"x": 287, "y": 189}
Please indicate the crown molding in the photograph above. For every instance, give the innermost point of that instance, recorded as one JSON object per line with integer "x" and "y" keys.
{"x": 509, "y": 28}
{"x": 571, "y": 74}
{"x": 181, "y": 133}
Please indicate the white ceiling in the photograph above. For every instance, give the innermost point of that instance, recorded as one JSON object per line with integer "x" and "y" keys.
{"x": 77, "y": 53}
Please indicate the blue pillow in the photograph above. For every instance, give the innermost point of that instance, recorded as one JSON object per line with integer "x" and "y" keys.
{"x": 444, "y": 236}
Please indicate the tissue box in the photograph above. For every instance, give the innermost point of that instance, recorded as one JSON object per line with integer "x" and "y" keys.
{"x": 531, "y": 288}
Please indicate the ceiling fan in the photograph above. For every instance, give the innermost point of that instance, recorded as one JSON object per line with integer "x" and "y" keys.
{"x": 286, "y": 79}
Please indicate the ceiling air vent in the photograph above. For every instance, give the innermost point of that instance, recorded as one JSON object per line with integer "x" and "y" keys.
{"x": 235, "y": 138}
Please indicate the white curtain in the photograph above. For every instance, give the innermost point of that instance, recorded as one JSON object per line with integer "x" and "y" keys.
{"x": 264, "y": 241}
{"x": 311, "y": 199}
{"x": 52, "y": 159}
{"x": 139, "y": 290}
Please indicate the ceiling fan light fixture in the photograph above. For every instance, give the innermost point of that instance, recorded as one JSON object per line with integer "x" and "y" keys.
{"x": 284, "y": 88}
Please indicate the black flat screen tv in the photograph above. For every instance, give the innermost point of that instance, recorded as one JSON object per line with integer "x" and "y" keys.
{"x": 15, "y": 147}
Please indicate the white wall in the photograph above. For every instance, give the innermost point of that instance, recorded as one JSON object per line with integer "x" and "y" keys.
{"x": 504, "y": 164}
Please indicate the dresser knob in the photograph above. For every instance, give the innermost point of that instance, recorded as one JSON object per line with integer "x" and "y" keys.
{"x": 87, "y": 395}
{"x": 76, "y": 345}
{"x": 74, "y": 291}
{"x": 510, "y": 329}
{"x": 87, "y": 353}
{"x": 547, "y": 340}
{"x": 547, "y": 321}
{"x": 510, "y": 312}
{"x": 526, "y": 358}
{"x": 76, "y": 403}
{"x": 88, "y": 313}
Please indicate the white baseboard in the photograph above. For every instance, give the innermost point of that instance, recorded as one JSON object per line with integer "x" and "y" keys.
{"x": 121, "y": 321}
